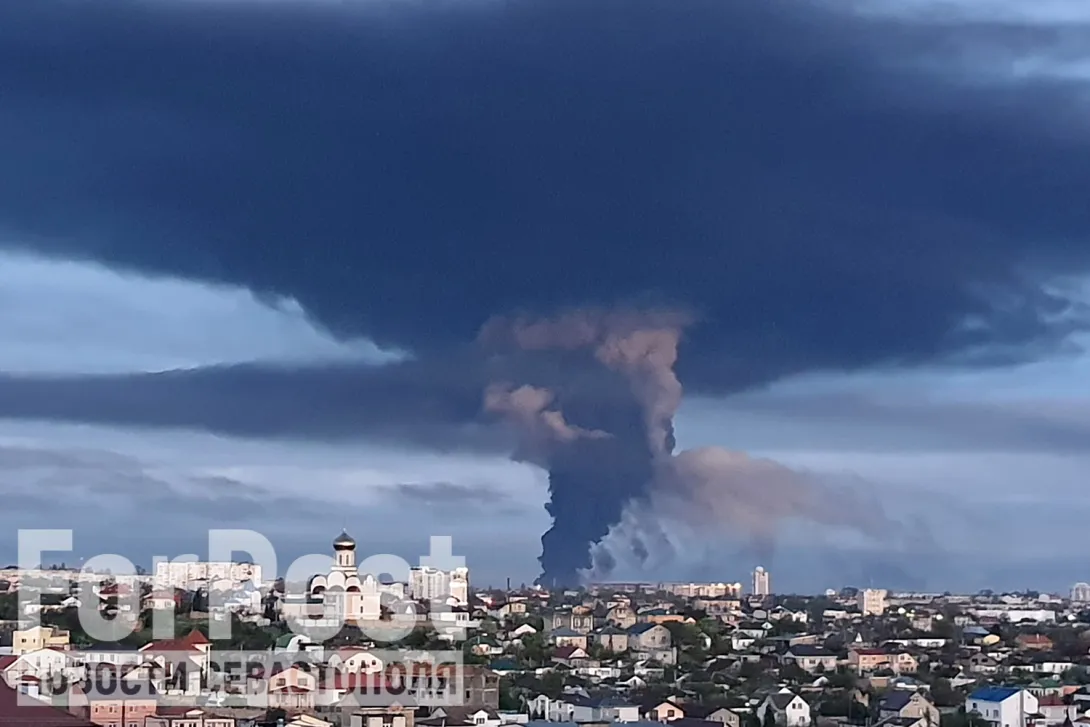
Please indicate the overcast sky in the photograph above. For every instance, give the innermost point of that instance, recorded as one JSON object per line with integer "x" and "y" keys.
{"x": 876, "y": 211}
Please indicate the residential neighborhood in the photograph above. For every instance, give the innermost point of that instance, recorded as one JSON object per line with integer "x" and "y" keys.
{"x": 697, "y": 655}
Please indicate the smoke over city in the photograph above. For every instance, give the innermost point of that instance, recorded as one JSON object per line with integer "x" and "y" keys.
{"x": 611, "y": 459}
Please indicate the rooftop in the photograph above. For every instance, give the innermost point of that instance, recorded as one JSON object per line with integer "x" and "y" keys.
{"x": 994, "y": 694}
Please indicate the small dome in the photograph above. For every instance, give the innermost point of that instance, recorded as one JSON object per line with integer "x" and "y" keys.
{"x": 344, "y": 541}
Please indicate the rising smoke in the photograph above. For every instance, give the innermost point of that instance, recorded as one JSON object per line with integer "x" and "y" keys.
{"x": 611, "y": 460}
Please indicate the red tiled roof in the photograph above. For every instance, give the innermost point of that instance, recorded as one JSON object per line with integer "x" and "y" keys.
{"x": 195, "y": 638}
{"x": 1033, "y": 639}
{"x": 13, "y": 712}
{"x": 7, "y": 660}
{"x": 170, "y": 645}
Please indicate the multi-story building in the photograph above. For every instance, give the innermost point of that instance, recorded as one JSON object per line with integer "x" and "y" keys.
{"x": 762, "y": 582}
{"x": 703, "y": 590}
{"x": 189, "y": 576}
{"x": 1080, "y": 593}
{"x": 432, "y": 584}
{"x": 873, "y": 601}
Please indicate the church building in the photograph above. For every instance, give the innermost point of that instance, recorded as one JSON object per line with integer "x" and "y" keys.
{"x": 357, "y": 599}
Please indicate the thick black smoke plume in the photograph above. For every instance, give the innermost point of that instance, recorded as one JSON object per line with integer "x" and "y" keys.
{"x": 600, "y": 458}
{"x": 611, "y": 457}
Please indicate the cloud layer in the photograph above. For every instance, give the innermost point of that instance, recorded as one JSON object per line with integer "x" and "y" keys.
{"x": 407, "y": 171}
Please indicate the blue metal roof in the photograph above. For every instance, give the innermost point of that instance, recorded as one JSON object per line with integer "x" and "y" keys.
{"x": 994, "y": 694}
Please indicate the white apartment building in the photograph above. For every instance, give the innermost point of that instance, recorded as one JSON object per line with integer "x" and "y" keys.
{"x": 1080, "y": 593}
{"x": 873, "y": 601}
{"x": 703, "y": 590}
{"x": 762, "y": 582}
{"x": 188, "y": 576}
{"x": 432, "y": 584}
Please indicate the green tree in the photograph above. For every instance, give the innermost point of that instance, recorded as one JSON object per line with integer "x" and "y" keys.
{"x": 943, "y": 694}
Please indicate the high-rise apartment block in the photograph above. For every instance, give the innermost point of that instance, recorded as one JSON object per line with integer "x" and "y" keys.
{"x": 432, "y": 584}
{"x": 873, "y": 601}
{"x": 762, "y": 582}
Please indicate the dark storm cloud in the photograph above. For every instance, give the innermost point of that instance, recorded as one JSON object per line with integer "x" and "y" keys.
{"x": 447, "y": 494}
{"x": 435, "y": 405}
{"x": 409, "y": 170}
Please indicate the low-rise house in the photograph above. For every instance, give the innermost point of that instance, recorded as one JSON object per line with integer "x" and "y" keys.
{"x": 481, "y": 686}
{"x": 109, "y": 705}
{"x": 570, "y": 655}
{"x": 903, "y": 662}
{"x": 621, "y": 617}
{"x": 38, "y": 637}
{"x": 725, "y": 716}
{"x": 114, "y": 653}
{"x": 900, "y": 703}
{"x": 652, "y": 641}
{"x": 741, "y": 641}
{"x": 581, "y": 709}
{"x": 788, "y": 709}
{"x": 810, "y": 658}
{"x": 394, "y": 715}
{"x": 863, "y": 661}
{"x": 567, "y": 637}
{"x": 1033, "y": 642}
{"x": 923, "y": 642}
{"x": 187, "y": 717}
{"x": 983, "y": 664}
{"x": 579, "y": 619}
{"x": 41, "y": 664}
{"x": 292, "y": 689}
{"x": 1048, "y": 685}
{"x": 659, "y": 616}
{"x": 664, "y": 710}
{"x": 355, "y": 660}
{"x": 612, "y": 638}
{"x": 1002, "y": 706}
{"x": 461, "y": 717}
{"x": 1055, "y": 709}
{"x": 162, "y": 600}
